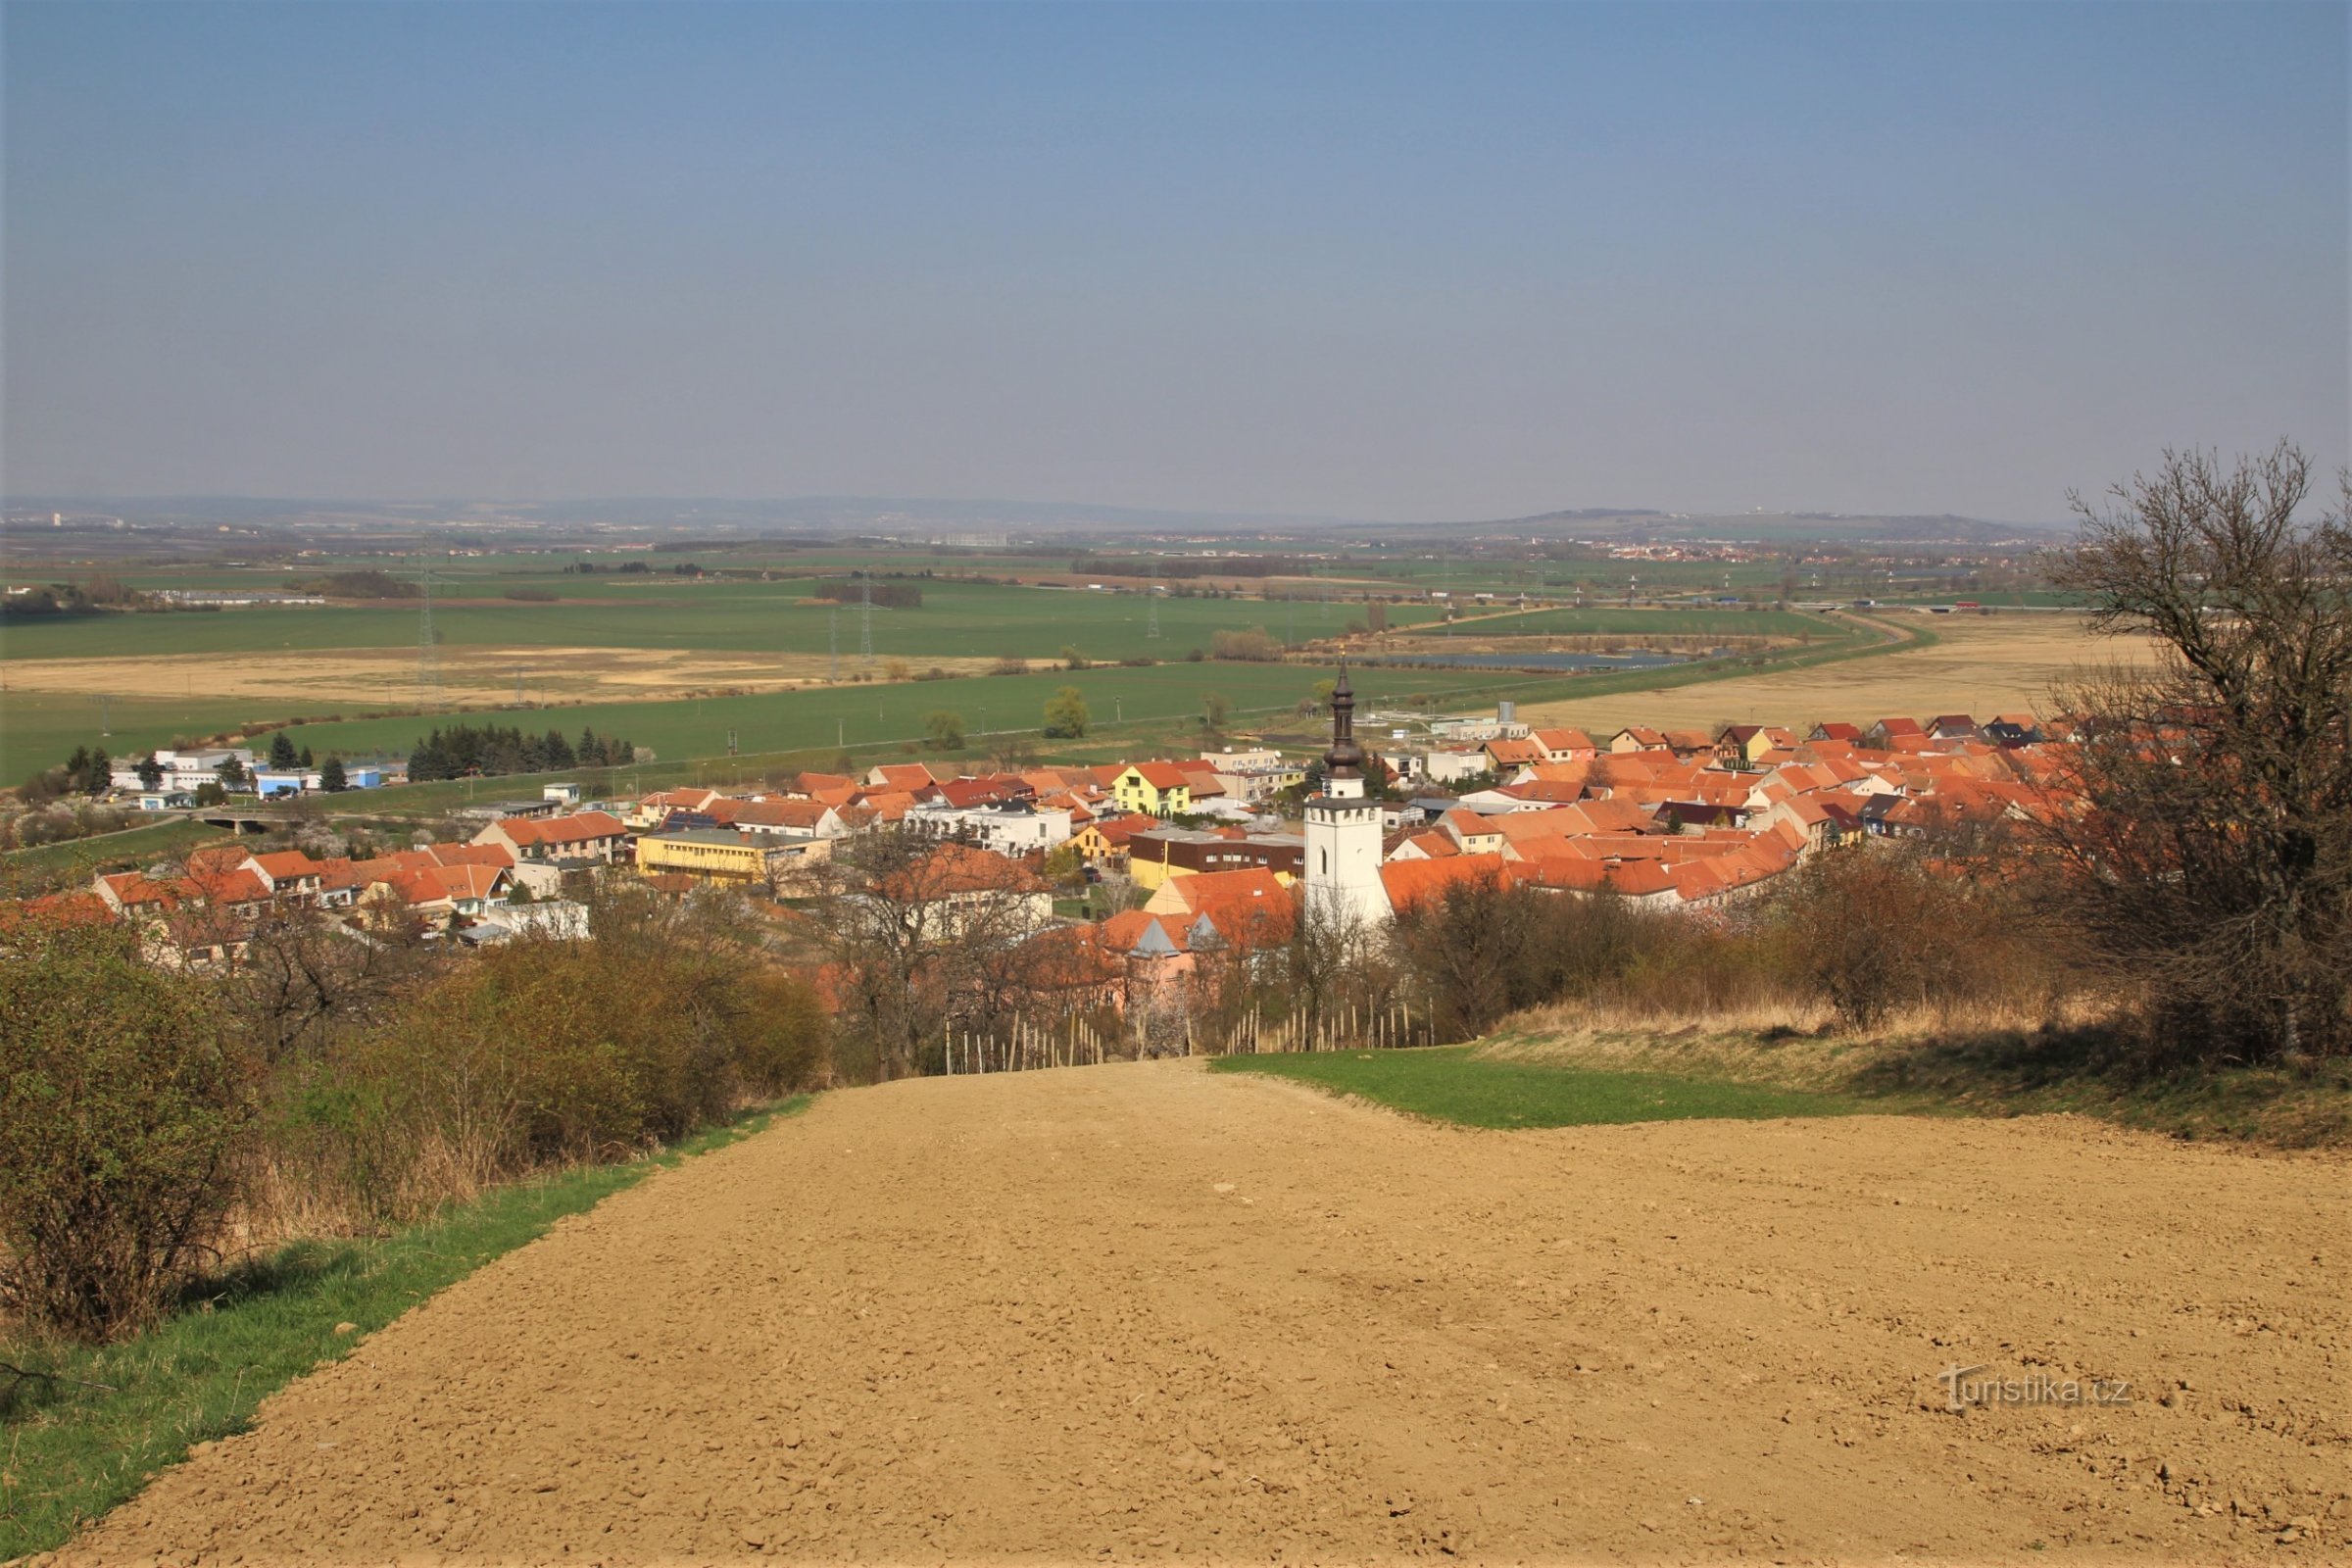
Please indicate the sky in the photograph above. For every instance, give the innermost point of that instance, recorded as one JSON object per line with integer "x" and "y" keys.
{"x": 1399, "y": 262}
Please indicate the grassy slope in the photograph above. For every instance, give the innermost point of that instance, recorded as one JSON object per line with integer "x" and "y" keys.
{"x": 75, "y": 1451}
{"x": 78, "y": 857}
{"x": 1970, "y": 1068}
{"x": 1451, "y": 1083}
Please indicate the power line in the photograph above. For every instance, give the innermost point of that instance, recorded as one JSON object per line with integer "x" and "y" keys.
{"x": 428, "y": 661}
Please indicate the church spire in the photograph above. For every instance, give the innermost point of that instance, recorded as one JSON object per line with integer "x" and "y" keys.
{"x": 1346, "y": 758}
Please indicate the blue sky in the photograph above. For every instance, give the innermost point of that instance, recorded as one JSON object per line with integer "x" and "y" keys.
{"x": 1395, "y": 262}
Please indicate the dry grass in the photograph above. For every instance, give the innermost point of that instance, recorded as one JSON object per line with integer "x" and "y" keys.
{"x": 362, "y": 677}
{"x": 1980, "y": 665}
{"x": 2022, "y": 1056}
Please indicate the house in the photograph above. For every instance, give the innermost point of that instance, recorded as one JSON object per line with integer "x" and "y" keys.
{"x": 2012, "y": 730}
{"x": 560, "y": 793}
{"x": 1246, "y": 759}
{"x": 1886, "y": 730}
{"x": 1160, "y": 788}
{"x": 1502, "y": 756}
{"x": 1637, "y": 738}
{"x": 1410, "y": 882}
{"x": 1448, "y": 766}
{"x": 1155, "y": 857}
{"x": 725, "y": 855}
{"x": 1744, "y": 745}
{"x": 792, "y": 819}
{"x": 1471, "y": 833}
{"x": 584, "y": 835}
{"x": 293, "y": 877}
{"x": 1834, "y": 730}
{"x": 1011, "y": 827}
{"x": 957, "y": 892}
{"x": 655, "y": 809}
{"x": 1244, "y": 909}
{"x": 1104, "y": 840}
{"x": 1952, "y": 727}
{"x": 1564, "y": 744}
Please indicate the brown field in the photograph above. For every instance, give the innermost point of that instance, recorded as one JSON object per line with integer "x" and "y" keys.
{"x": 1143, "y": 1313}
{"x": 475, "y": 675}
{"x": 1982, "y": 665}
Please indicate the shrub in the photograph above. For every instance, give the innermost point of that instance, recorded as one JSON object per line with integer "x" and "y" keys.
{"x": 781, "y": 1046}
{"x": 123, "y": 1109}
{"x": 1252, "y": 646}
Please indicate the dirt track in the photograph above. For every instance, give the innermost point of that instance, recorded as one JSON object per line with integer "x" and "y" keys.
{"x": 1145, "y": 1312}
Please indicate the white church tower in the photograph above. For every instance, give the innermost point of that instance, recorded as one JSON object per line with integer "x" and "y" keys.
{"x": 1343, "y": 827}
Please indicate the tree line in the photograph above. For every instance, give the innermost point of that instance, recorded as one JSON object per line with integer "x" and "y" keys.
{"x": 464, "y": 749}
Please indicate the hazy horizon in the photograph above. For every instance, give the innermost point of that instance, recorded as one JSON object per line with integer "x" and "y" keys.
{"x": 1396, "y": 265}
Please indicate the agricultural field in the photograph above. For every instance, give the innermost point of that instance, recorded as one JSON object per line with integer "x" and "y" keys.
{"x": 1269, "y": 1324}
{"x": 1638, "y": 623}
{"x": 859, "y": 717}
{"x": 718, "y": 615}
{"x": 1980, "y": 665}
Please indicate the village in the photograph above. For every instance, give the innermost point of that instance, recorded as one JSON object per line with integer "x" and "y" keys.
{"x": 1119, "y": 880}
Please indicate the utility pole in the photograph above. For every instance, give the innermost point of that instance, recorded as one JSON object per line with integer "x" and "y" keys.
{"x": 428, "y": 661}
{"x": 865, "y": 619}
{"x": 1152, "y": 622}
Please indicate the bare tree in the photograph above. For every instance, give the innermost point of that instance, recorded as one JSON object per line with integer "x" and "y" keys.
{"x": 920, "y": 930}
{"x": 2211, "y": 853}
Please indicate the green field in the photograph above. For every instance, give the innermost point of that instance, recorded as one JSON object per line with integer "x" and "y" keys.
{"x": 1637, "y": 622}
{"x": 956, "y": 620}
{"x": 861, "y": 717}
{"x": 1446, "y": 1083}
{"x": 37, "y": 730}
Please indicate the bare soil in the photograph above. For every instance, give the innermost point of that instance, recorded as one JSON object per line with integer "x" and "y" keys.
{"x": 362, "y": 677}
{"x": 1146, "y": 1314}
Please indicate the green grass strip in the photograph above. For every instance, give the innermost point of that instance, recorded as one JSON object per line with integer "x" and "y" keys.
{"x": 1446, "y": 1083}
{"x": 73, "y": 1451}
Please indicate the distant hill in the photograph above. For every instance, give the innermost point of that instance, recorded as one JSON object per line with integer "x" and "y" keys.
{"x": 1634, "y": 526}
{"x": 921, "y": 518}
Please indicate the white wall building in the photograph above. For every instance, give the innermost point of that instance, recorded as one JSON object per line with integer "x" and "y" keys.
{"x": 1342, "y": 828}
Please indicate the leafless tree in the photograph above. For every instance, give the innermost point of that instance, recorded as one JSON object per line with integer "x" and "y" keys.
{"x": 304, "y": 978}
{"x": 919, "y": 929}
{"x": 2210, "y": 857}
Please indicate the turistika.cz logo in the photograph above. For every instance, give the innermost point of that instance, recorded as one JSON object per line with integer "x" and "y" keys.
{"x": 1962, "y": 1388}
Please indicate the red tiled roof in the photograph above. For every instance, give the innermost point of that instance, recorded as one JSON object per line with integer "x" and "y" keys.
{"x": 580, "y": 827}
{"x": 1409, "y": 882}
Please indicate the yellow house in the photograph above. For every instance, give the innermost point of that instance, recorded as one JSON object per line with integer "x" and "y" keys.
{"x": 1160, "y": 788}
{"x": 720, "y": 854}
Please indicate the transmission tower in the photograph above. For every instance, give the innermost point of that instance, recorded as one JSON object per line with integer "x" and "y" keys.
{"x": 865, "y": 619}
{"x": 428, "y": 661}
{"x": 1151, "y": 621}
